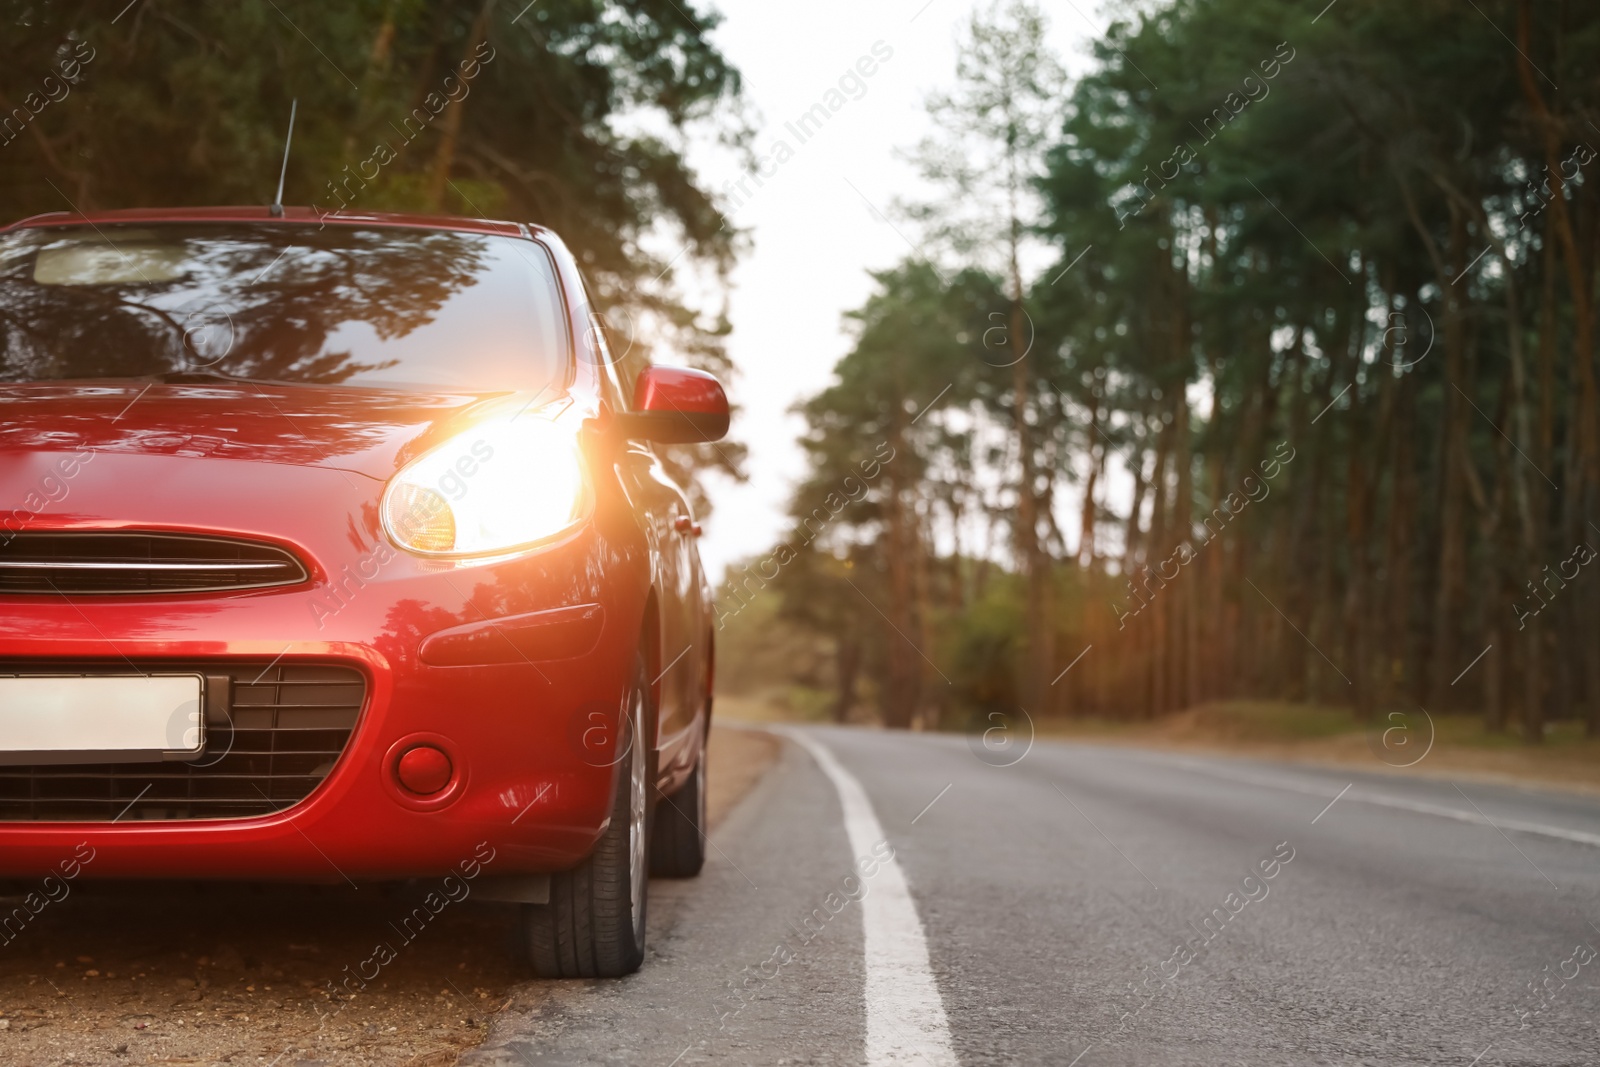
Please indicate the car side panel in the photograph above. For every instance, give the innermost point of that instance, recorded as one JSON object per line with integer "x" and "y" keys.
{"x": 656, "y": 503}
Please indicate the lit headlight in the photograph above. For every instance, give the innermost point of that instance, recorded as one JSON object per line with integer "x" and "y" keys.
{"x": 500, "y": 485}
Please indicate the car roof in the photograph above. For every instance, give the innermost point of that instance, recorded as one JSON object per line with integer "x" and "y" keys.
{"x": 290, "y": 215}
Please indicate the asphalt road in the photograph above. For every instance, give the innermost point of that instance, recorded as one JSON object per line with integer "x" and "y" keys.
{"x": 1075, "y": 909}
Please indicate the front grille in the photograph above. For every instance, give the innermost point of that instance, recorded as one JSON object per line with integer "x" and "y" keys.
{"x": 273, "y": 741}
{"x": 41, "y": 564}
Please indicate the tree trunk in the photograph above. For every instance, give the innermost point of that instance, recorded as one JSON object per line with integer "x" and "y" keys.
{"x": 1519, "y": 550}
{"x": 1400, "y": 665}
{"x": 1442, "y": 653}
{"x": 1039, "y": 651}
{"x": 444, "y": 159}
{"x": 1583, "y": 481}
{"x": 847, "y": 669}
{"x": 1097, "y": 459}
{"x": 1358, "y": 519}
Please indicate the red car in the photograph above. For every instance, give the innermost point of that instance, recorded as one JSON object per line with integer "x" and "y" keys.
{"x": 334, "y": 548}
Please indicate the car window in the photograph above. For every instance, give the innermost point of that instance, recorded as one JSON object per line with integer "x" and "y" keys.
{"x": 379, "y": 307}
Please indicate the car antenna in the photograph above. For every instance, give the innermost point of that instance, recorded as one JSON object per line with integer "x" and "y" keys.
{"x": 276, "y": 210}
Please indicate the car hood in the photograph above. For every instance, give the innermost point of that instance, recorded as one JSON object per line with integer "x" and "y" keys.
{"x": 368, "y": 431}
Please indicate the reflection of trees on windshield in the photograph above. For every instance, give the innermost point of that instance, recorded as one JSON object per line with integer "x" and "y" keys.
{"x": 273, "y": 302}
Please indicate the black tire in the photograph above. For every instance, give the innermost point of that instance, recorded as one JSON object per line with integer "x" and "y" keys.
{"x": 594, "y": 924}
{"x": 678, "y": 841}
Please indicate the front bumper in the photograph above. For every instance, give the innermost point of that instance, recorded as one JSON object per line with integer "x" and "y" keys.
{"x": 515, "y": 668}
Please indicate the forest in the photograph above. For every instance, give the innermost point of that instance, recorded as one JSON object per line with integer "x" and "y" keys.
{"x": 1256, "y": 362}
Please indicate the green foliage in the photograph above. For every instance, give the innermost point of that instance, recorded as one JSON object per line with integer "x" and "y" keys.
{"x": 982, "y": 647}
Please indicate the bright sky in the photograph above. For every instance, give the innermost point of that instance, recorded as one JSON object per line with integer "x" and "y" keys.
{"x": 812, "y": 222}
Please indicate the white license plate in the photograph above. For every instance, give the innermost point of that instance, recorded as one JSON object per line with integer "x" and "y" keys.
{"x": 101, "y": 719}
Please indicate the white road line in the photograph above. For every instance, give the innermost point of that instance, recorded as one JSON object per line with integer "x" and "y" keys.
{"x": 1383, "y": 800}
{"x": 906, "y": 1023}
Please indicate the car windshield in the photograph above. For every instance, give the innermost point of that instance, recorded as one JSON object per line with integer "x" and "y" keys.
{"x": 380, "y": 307}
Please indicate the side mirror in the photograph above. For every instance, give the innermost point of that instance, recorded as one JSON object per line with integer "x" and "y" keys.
{"x": 676, "y": 406}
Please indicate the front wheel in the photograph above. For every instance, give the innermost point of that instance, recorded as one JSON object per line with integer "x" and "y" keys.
{"x": 593, "y": 926}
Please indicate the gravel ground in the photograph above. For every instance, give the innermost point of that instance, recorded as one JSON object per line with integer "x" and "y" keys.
{"x": 219, "y": 974}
